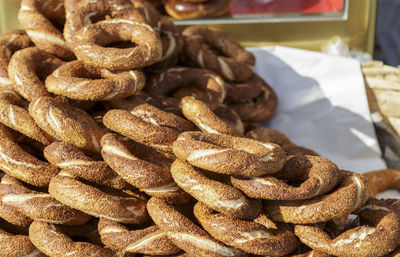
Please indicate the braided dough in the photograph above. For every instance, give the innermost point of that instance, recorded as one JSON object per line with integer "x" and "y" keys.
{"x": 151, "y": 240}
{"x": 67, "y": 189}
{"x": 38, "y": 18}
{"x": 18, "y": 163}
{"x": 147, "y": 124}
{"x": 351, "y": 194}
{"x": 151, "y": 178}
{"x": 206, "y": 120}
{"x": 238, "y": 64}
{"x": 10, "y": 42}
{"x": 260, "y": 108}
{"x": 319, "y": 175}
{"x": 249, "y": 236}
{"x": 378, "y": 240}
{"x": 24, "y": 69}
{"x": 15, "y": 116}
{"x": 229, "y": 155}
{"x": 382, "y": 180}
{"x": 72, "y": 159}
{"x": 185, "y": 234}
{"x": 17, "y": 246}
{"x": 51, "y": 241}
{"x": 38, "y": 206}
{"x": 181, "y": 77}
{"x": 67, "y": 123}
{"x": 79, "y": 81}
{"x": 217, "y": 195}
{"x": 242, "y": 92}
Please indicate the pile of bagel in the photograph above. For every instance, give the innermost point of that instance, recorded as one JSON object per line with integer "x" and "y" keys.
{"x": 122, "y": 136}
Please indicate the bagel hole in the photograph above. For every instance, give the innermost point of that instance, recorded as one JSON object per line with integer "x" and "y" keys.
{"x": 78, "y": 238}
{"x": 121, "y": 44}
{"x": 216, "y": 51}
{"x": 96, "y": 17}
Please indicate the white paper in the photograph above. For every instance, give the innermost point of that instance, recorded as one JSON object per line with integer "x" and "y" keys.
{"x": 322, "y": 105}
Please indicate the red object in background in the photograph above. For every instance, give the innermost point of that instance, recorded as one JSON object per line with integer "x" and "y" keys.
{"x": 286, "y": 6}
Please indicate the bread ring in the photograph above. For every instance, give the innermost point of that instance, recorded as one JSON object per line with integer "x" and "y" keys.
{"x": 217, "y": 195}
{"x": 48, "y": 239}
{"x": 364, "y": 241}
{"x": 72, "y": 159}
{"x": 205, "y": 119}
{"x": 231, "y": 117}
{"x": 14, "y": 216}
{"x": 185, "y": 234}
{"x": 238, "y": 64}
{"x": 10, "y": 42}
{"x": 79, "y": 81}
{"x": 312, "y": 253}
{"x": 183, "y": 9}
{"x": 260, "y": 108}
{"x": 382, "y": 180}
{"x": 146, "y": 124}
{"x": 67, "y": 123}
{"x": 13, "y": 115}
{"x": 91, "y": 45}
{"x": 229, "y": 155}
{"x": 274, "y": 136}
{"x": 17, "y": 246}
{"x": 67, "y": 189}
{"x": 249, "y": 236}
{"x": 24, "y": 70}
{"x": 42, "y": 31}
{"x": 351, "y": 194}
{"x": 244, "y": 91}
{"x": 38, "y": 206}
{"x": 151, "y": 178}
{"x": 150, "y": 240}
{"x": 175, "y": 78}
{"x": 319, "y": 176}
{"x": 20, "y": 164}
{"x": 171, "y": 39}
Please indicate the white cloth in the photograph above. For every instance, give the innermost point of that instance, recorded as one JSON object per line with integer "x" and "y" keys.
{"x": 322, "y": 105}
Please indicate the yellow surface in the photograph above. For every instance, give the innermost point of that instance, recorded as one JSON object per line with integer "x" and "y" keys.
{"x": 357, "y": 30}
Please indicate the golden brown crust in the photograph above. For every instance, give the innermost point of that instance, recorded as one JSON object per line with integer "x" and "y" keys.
{"x": 67, "y": 189}
{"x": 151, "y": 240}
{"x": 206, "y": 120}
{"x": 24, "y": 69}
{"x": 17, "y": 246}
{"x": 217, "y": 195}
{"x": 185, "y": 234}
{"x": 260, "y": 108}
{"x": 67, "y": 123}
{"x": 249, "y": 236}
{"x": 38, "y": 18}
{"x": 211, "y": 84}
{"x": 20, "y": 164}
{"x": 351, "y": 194}
{"x": 51, "y": 241}
{"x": 379, "y": 237}
{"x": 14, "y": 115}
{"x": 229, "y": 155}
{"x": 72, "y": 159}
{"x": 151, "y": 178}
{"x": 79, "y": 81}
{"x": 36, "y": 205}
{"x": 238, "y": 64}
{"x": 319, "y": 176}
{"x": 382, "y": 180}
{"x": 10, "y": 42}
{"x": 147, "y": 124}
{"x": 244, "y": 91}
{"x": 183, "y": 9}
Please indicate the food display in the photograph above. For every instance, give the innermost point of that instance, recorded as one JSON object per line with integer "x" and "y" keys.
{"x": 122, "y": 136}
